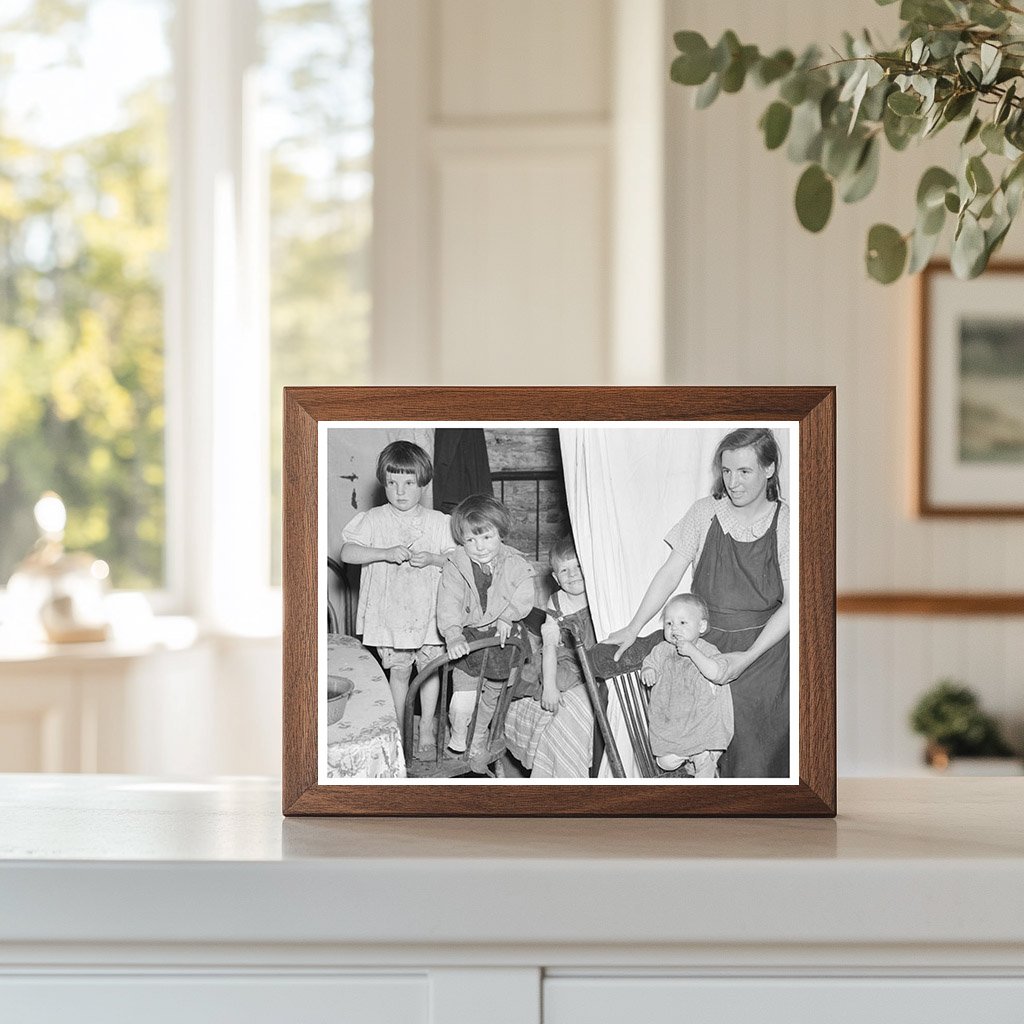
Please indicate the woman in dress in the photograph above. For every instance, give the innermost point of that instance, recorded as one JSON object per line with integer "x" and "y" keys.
{"x": 737, "y": 541}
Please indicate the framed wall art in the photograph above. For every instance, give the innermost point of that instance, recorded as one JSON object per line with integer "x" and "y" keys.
{"x": 970, "y": 444}
{"x": 559, "y": 601}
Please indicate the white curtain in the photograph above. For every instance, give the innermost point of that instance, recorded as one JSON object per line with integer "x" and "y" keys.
{"x": 625, "y": 488}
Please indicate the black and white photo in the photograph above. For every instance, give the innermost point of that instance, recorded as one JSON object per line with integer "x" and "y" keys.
{"x": 540, "y": 602}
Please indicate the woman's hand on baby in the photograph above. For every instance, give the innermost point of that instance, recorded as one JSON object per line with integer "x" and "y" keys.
{"x": 457, "y": 649}
{"x": 648, "y": 676}
{"x": 625, "y": 638}
{"x": 735, "y": 663}
{"x": 399, "y": 554}
{"x": 502, "y": 629}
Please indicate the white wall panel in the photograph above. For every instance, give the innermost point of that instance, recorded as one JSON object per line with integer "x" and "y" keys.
{"x": 522, "y": 284}
{"x": 531, "y": 58}
{"x": 500, "y": 223}
{"x": 752, "y": 298}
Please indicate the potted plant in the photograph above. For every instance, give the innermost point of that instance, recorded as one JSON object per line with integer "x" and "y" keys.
{"x": 950, "y": 717}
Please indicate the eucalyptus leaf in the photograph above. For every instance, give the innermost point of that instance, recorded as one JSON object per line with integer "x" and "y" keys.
{"x": 993, "y": 138}
{"x": 902, "y": 103}
{"x": 1013, "y": 187}
{"x": 1013, "y": 191}
{"x": 994, "y": 235}
{"x": 925, "y": 88}
{"x": 987, "y": 15}
{"x": 886, "y": 253}
{"x": 805, "y": 133}
{"x": 972, "y": 131}
{"x": 775, "y": 124}
{"x": 724, "y": 50}
{"x": 865, "y": 174}
{"x": 958, "y": 105}
{"x": 771, "y": 69}
{"x": 874, "y": 100}
{"x": 931, "y": 190}
{"x": 991, "y": 59}
{"x": 691, "y": 68}
{"x": 932, "y": 221}
{"x": 922, "y": 248}
{"x": 735, "y": 74}
{"x": 952, "y": 202}
{"x": 978, "y": 176}
{"x": 968, "y": 247}
{"x": 828, "y": 104}
{"x": 1004, "y": 106}
{"x": 943, "y": 44}
{"x": 933, "y": 122}
{"x": 930, "y": 12}
{"x": 814, "y": 194}
{"x": 900, "y": 130}
{"x": 840, "y": 152}
{"x": 708, "y": 92}
{"x": 794, "y": 88}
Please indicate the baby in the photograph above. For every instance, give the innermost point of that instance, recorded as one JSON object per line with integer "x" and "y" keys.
{"x": 691, "y": 716}
{"x": 484, "y": 583}
{"x": 401, "y": 546}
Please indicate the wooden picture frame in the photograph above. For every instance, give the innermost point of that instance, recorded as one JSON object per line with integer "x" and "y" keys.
{"x": 804, "y": 415}
{"x": 970, "y": 394}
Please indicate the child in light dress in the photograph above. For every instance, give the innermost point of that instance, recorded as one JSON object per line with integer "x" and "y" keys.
{"x": 401, "y": 547}
{"x": 484, "y": 583}
{"x": 691, "y": 717}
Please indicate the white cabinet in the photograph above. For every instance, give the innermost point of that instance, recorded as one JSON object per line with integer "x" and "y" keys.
{"x": 128, "y": 898}
{"x": 824, "y": 1000}
{"x": 239, "y": 999}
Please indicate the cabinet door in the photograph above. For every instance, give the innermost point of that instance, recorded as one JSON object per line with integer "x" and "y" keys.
{"x": 206, "y": 999}
{"x": 568, "y": 1000}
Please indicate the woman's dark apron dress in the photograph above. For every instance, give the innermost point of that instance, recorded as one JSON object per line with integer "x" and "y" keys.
{"x": 742, "y": 585}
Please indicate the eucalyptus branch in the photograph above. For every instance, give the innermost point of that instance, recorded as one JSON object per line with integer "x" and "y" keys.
{"x": 833, "y": 118}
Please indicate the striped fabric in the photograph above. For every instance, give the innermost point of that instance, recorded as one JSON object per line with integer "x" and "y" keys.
{"x": 554, "y": 744}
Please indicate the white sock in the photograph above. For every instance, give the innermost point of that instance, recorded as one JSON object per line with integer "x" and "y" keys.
{"x": 460, "y": 711}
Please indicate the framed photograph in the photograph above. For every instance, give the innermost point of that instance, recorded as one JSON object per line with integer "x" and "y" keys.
{"x": 559, "y": 601}
{"x": 970, "y": 450}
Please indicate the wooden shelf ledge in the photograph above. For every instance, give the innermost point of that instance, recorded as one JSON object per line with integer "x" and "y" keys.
{"x": 928, "y": 603}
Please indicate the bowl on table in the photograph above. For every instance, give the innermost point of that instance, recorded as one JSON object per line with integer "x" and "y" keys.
{"x": 339, "y": 689}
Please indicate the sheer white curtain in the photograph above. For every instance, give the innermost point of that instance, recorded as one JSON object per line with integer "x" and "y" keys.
{"x": 625, "y": 488}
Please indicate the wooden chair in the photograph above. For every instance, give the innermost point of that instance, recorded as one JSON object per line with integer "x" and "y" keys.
{"x": 446, "y": 763}
{"x": 623, "y": 679}
{"x": 348, "y": 582}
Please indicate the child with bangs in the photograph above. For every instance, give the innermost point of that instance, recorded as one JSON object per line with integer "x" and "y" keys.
{"x": 487, "y": 585}
{"x": 401, "y": 547}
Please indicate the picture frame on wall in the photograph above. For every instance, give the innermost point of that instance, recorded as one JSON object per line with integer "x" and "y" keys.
{"x": 559, "y": 601}
{"x": 970, "y": 417}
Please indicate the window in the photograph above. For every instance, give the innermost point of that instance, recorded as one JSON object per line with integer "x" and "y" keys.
{"x": 185, "y": 220}
{"x": 83, "y": 236}
{"x": 317, "y": 117}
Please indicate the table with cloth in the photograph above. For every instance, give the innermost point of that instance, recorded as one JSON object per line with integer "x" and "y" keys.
{"x": 365, "y": 742}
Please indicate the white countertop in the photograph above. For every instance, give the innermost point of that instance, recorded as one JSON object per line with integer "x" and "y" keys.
{"x": 121, "y": 859}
